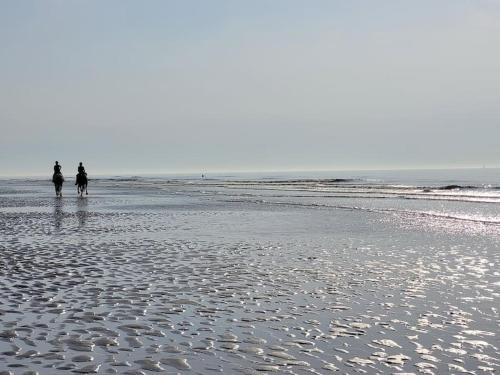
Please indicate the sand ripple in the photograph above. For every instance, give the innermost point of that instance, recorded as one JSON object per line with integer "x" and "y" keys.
{"x": 175, "y": 283}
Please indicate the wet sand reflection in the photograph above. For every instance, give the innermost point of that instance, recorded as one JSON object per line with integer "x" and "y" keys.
{"x": 82, "y": 211}
{"x": 58, "y": 213}
{"x": 132, "y": 284}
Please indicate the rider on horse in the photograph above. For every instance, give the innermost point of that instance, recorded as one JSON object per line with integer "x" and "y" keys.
{"x": 81, "y": 173}
{"x": 57, "y": 170}
{"x": 58, "y": 179}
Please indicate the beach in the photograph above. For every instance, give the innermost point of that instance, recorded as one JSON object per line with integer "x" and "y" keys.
{"x": 302, "y": 275}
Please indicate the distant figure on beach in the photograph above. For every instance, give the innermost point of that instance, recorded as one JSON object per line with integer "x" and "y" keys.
{"x": 81, "y": 180}
{"x": 58, "y": 179}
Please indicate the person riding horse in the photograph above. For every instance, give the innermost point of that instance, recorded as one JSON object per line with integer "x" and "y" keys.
{"x": 81, "y": 180}
{"x": 57, "y": 170}
{"x": 58, "y": 179}
{"x": 81, "y": 177}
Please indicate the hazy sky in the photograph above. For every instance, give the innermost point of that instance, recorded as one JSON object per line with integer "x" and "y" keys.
{"x": 129, "y": 86}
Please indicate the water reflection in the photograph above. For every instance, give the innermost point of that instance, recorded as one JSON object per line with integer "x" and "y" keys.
{"x": 82, "y": 211}
{"x": 58, "y": 213}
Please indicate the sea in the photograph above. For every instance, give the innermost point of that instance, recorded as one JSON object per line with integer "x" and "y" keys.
{"x": 376, "y": 272}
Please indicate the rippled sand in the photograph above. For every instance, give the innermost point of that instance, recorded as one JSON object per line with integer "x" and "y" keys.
{"x": 130, "y": 281}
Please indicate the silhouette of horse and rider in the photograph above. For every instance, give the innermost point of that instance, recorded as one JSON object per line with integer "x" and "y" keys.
{"x": 81, "y": 179}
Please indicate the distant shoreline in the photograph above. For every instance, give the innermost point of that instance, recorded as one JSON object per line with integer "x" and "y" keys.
{"x": 252, "y": 172}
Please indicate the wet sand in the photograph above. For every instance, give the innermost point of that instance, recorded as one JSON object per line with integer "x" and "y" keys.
{"x": 179, "y": 280}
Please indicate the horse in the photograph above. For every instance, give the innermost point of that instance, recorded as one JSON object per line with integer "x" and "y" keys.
{"x": 58, "y": 180}
{"x": 81, "y": 181}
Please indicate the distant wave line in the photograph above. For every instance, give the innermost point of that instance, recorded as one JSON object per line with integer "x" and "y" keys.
{"x": 379, "y": 210}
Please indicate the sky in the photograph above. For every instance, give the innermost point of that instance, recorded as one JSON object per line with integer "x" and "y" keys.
{"x": 256, "y": 85}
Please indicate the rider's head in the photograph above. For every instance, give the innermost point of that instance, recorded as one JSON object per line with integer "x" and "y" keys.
{"x": 80, "y": 163}
{"x": 57, "y": 162}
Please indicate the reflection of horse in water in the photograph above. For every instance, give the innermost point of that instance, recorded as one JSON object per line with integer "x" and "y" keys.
{"x": 58, "y": 180}
{"x": 81, "y": 181}
{"x": 82, "y": 211}
{"x": 58, "y": 214}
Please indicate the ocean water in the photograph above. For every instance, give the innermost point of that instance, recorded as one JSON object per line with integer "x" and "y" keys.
{"x": 376, "y": 272}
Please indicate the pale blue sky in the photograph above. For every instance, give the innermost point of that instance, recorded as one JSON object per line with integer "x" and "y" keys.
{"x": 172, "y": 86}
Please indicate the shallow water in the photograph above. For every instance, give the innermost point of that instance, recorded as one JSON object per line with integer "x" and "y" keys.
{"x": 207, "y": 277}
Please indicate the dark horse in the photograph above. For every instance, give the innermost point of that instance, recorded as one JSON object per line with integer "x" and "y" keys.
{"x": 58, "y": 180}
{"x": 81, "y": 181}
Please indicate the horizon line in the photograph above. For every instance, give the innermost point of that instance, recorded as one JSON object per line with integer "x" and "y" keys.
{"x": 252, "y": 171}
